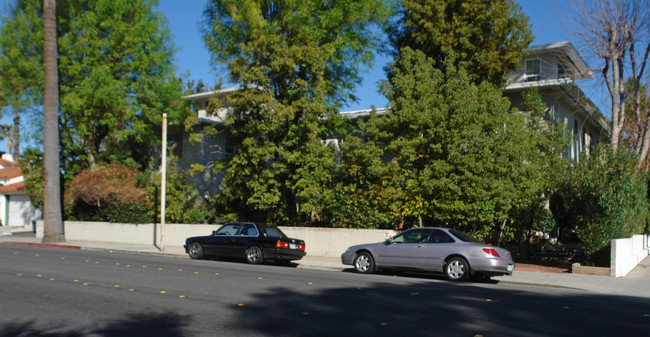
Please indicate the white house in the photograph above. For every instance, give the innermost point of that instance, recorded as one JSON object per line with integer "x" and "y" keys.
{"x": 554, "y": 69}
{"x": 15, "y": 207}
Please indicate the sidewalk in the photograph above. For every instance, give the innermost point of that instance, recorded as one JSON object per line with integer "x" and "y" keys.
{"x": 636, "y": 283}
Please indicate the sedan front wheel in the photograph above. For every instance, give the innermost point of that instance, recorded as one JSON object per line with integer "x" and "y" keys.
{"x": 364, "y": 263}
{"x": 195, "y": 251}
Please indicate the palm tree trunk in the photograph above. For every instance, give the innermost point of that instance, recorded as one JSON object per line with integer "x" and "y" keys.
{"x": 53, "y": 221}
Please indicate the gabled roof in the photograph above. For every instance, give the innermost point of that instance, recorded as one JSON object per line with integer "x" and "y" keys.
{"x": 7, "y": 163}
{"x": 567, "y": 53}
{"x": 9, "y": 173}
{"x": 17, "y": 187}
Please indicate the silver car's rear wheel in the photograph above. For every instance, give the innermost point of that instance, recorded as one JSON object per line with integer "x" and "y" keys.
{"x": 457, "y": 269}
{"x": 364, "y": 263}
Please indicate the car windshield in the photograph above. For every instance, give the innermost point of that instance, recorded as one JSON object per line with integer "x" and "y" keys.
{"x": 465, "y": 237}
{"x": 274, "y": 232}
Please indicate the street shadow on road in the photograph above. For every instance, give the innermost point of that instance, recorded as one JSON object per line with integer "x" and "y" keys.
{"x": 420, "y": 307}
{"x": 151, "y": 324}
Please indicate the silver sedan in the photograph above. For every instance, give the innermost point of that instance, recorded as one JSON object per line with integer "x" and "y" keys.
{"x": 451, "y": 252}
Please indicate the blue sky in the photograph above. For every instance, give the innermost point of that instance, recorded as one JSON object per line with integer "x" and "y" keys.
{"x": 193, "y": 59}
{"x": 192, "y": 56}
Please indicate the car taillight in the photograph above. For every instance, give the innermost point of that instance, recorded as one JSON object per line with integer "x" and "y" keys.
{"x": 491, "y": 251}
{"x": 301, "y": 246}
{"x": 282, "y": 244}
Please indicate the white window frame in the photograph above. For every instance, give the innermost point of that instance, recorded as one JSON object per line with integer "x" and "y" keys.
{"x": 533, "y": 77}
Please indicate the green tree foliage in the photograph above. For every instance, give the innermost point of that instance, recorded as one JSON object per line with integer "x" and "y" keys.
{"x": 296, "y": 62}
{"x": 469, "y": 162}
{"x": 366, "y": 192}
{"x": 183, "y": 202}
{"x": 487, "y": 38}
{"x": 107, "y": 193}
{"x": 31, "y": 166}
{"x": 21, "y": 65}
{"x": 602, "y": 198}
{"x": 117, "y": 77}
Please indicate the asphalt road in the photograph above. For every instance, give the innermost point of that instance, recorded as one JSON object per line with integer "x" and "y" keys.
{"x": 64, "y": 292}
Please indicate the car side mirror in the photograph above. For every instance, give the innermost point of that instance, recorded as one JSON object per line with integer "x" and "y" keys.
{"x": 214, "y": 232}
{"x": 388, "y": 241}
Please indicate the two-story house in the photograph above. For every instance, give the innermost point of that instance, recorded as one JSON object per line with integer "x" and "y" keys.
{"x": 552, "y": 68}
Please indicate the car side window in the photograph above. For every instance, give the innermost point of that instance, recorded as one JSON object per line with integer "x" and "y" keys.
{"x": 228, "y": 229}
{"x": 420, "y": 235}
{"x": 438, "y": 236}
{"x": 249, "y": 230}
{"x": 273, "y": 232}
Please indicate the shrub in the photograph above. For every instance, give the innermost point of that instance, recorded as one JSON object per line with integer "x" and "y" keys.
{"x": 602, "y": 198}
{"x": 107, "y": 193}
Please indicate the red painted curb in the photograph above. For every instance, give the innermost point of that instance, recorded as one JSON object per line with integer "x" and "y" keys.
{"x": 42, "y": 244}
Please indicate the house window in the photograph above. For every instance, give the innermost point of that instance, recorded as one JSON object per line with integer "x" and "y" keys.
{"x": 533, "y": 69}
{"x": 230, "y": 148}
{"x": 560, "y": 71}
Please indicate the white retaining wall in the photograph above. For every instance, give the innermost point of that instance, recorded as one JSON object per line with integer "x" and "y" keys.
{"x": 627, "y": 253}
{"x": 319, "y": 241}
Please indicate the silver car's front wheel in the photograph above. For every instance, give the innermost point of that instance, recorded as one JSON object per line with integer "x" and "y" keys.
{"x": 457, "y": 269}
{"x": 364, "y": 263}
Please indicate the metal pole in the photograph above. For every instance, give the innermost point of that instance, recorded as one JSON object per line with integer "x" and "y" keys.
{"x": 163, "y": 182}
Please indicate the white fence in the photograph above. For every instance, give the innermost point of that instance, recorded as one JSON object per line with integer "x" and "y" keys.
{"x": 320, "y": 241}
{"x": 627, "y": 253}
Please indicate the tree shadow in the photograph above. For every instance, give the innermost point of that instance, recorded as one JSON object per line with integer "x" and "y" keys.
{"x": 153, "y": 324}
{"x": 430, "y": 308}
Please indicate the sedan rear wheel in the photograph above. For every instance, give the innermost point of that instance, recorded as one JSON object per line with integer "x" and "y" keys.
{"x": 254, "y": 255}
{"x": 457, "y": 269}
{"x": 364, "y": 263}
{"x": 195, "y": 251}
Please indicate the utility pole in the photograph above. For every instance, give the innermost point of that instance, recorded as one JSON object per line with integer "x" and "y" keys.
{"x": 163, "y": 182}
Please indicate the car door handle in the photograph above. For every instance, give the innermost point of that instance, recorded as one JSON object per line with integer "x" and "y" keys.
{"x": 420, "y": 246}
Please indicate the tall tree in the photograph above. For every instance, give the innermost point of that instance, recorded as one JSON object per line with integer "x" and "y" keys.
{"x": 117, "y": 77}
{"x": 296, "y": 61}
{"x": 486, "y": 37}
{"x": 617, "y": 32}
{"x": 53, "y": 221}
{"x": 470, "y": 163}
{"x": 21, "y": 64}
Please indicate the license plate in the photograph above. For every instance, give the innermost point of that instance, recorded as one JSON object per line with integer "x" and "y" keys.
{"x": 293, "y": 246}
